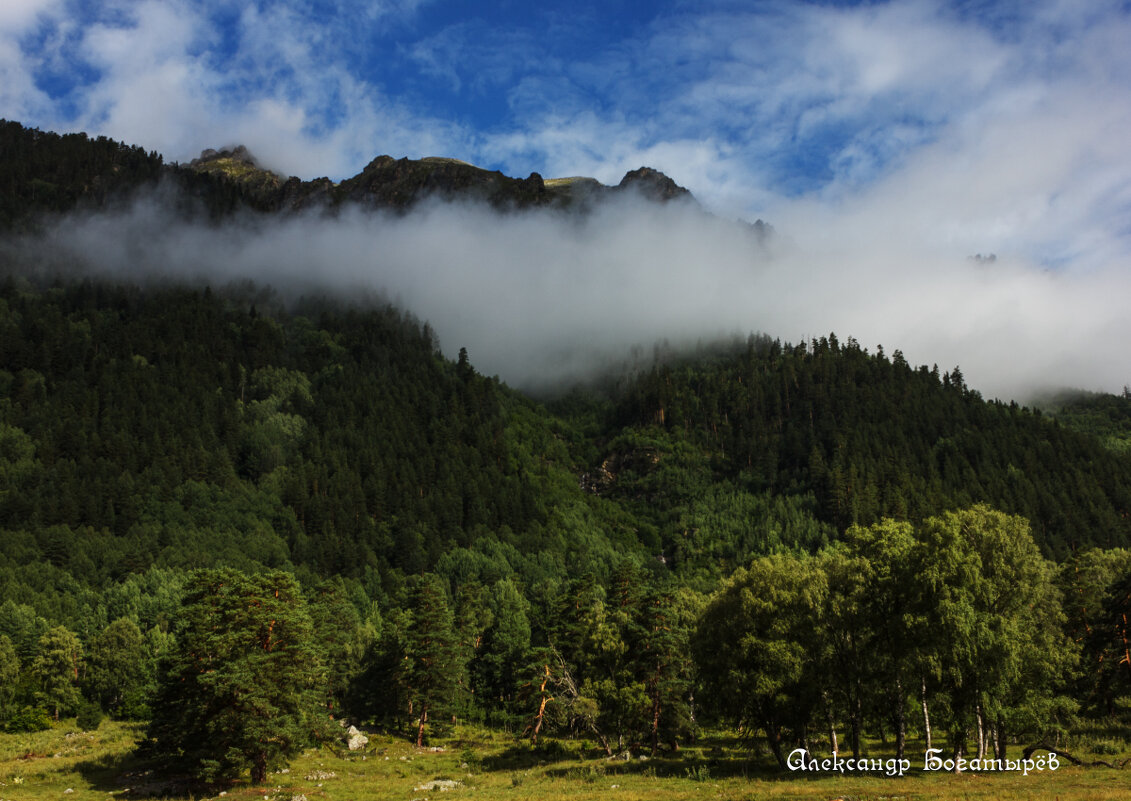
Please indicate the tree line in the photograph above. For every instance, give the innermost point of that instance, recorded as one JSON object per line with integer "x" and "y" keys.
{"x": 954, "y": 634}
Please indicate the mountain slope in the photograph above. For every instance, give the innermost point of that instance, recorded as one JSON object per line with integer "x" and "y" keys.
{"x": 178, "y": 428}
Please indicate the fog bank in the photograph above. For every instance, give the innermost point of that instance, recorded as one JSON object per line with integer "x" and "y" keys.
{"x": 540, "y": 297}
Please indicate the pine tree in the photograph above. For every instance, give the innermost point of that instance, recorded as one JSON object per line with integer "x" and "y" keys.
{"x": 432, "y": 672}
{"x": 240, "y": 689}
{"x": 1108, "y": 648}
{"x": 505, "y": 653}
{"x": 9, "y": 674}
{"x": 663, "y": 658}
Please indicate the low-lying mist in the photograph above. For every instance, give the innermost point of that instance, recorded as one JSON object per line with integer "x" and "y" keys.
{"x": 540, "y": 298}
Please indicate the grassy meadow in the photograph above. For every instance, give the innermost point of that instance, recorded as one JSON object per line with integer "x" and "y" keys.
{"x": 65, "y": 763}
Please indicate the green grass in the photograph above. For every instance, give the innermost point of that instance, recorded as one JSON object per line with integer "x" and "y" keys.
{"x": 242, "y": 172}
{"x": 556, "y": 182}
{"x": 492, "y": 767}
{"x": 448, "y": 160}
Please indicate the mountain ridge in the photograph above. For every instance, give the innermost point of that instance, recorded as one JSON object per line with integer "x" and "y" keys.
{"x": 392, "y": 183}
{"x": 42, "y": 172}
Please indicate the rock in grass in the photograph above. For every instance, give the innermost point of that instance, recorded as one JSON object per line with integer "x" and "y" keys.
{"x": 438, "y": 784}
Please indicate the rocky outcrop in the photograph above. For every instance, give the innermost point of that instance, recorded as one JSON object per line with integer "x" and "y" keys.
{"x": 355, "y": 740}
{"x": 603, "y": 479}
{"x": 236, "y": 165}
{"x": 442, "y": 785}
{"x": 239, "y": 154}
{"x": 653, "y": 185}
{"x": 399, "y": 183}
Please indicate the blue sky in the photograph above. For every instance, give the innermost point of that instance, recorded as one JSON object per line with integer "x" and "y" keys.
{"x": 879, "y": 133}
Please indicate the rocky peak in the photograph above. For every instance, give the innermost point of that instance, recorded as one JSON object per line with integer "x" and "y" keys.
{"x": 652, "y": 184}
{"x": 399, "y": 183}
{"x": 379, "y": 163}
{"x": 237, "y": 165}
{"x": 238, "y": 154}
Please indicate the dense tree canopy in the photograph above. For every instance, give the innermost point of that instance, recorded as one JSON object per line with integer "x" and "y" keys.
{"x": 870, "y": 437}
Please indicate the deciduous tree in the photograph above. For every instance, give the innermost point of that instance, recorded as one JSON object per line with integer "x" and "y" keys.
{"x": 753, "y": 645}
{"x": 55, "y": 669}
{"x": 116, "y": 664}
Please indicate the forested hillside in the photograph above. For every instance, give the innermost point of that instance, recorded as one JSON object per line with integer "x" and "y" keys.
{"x": 346, "y": 522}
{"x": 149, "y": 432}
{"x": 45, "y": 172}
{"x": 186, "y": 428}
{"x": 865, "y": 437}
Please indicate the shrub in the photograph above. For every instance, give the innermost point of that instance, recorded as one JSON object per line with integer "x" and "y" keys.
{"x": 90, "y": 715}
{"x": 699, "y": 773}
{"x": 1106, "y": 748}
{"x": 28, "y": 719}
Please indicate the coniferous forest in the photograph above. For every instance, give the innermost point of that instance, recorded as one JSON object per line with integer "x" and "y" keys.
{"x": 232, "y": 515}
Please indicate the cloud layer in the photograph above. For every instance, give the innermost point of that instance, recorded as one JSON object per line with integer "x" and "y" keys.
{"x": 541, "y": 297}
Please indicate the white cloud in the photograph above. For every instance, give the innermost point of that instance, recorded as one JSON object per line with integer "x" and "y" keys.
{"x": 20, "y": 98}
{"x": 17, "y": 15}
{"x": 149, "y": 87}
{"x": 166, "y": 74}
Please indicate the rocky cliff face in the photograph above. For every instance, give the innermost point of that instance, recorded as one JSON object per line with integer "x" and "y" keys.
{"x": 399, "y": 183}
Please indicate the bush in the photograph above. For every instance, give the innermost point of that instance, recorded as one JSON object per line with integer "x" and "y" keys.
{"x": 699, "y": 773}
{"x": 90, "y": 716}
{"x": 1106, "y": 748}
{"x": 28, "y": 719}
{"x": 552, "y": 749}
{"x": 134, "y": 706}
